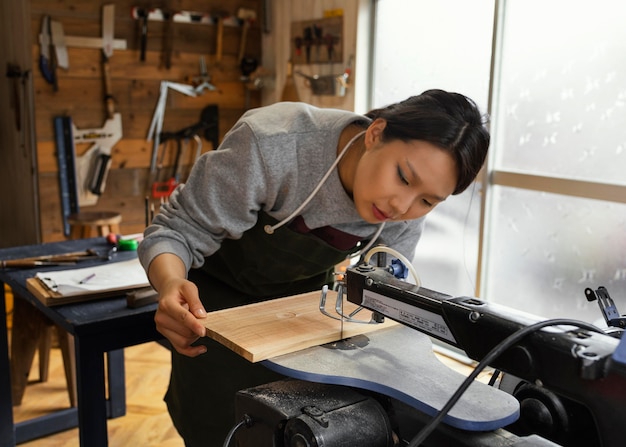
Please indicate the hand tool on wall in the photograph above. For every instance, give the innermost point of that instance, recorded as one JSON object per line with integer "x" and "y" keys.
{"x": 92, "y": 167}
{"x": 219, "y": 18}
{"x": 109, "y": 101}
{"x": 290, "y": 91}
{"x": 182, "y": 139}
{"x": 181, "y": 16}
{"x": 210, "y": 121}
{"x": 202, "y": 82}
{"x": 66, "y": 159}
{"x": 95, "y": 42}
{"x": 317, "y": 39}
{"x": 46, "y": 64}
{"x": 156, "y": 125}
{"x": 308, "y": 43}
{"x": 298, "y": 44}
{"x": 89, "y": 171}
{"x": 108, "y": 20}
{"x": 192, "y": 17}
{"x": 316, "y": 36}
{"x": 219, "y": 40}
{"x": 248, "y": 65}
{"x": 60, "y": 47}
{"x": 329, "y": 40}
{"x": 246, "y": 17}
{"x": 143, "y": 17}
{"x": 208, "y": 125}
{"x": 52, "y": 36}
{"x": 168, "y": 40}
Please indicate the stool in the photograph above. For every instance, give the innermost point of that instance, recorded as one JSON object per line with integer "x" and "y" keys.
{"x": 83, "y": 223}
{"x": 32, "y": 331}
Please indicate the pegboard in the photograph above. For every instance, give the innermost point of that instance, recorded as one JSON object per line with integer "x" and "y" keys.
{"x": 312, "y": 39}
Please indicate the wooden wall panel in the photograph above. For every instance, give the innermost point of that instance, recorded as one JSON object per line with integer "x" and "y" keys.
{"x": 135, "y": 87}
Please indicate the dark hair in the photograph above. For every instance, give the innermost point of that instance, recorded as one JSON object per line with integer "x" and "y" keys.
{"x": 450, "y": 121}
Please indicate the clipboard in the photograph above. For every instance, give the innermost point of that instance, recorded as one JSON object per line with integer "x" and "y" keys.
{"x": 54, "y": 288}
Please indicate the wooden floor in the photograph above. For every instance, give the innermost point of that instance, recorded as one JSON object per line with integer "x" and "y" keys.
{"x": 146, "y": 422}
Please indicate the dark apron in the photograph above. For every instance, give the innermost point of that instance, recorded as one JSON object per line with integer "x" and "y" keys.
{"x": 255, "y": 268}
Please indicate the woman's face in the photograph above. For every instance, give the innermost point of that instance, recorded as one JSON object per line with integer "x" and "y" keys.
{"x": 398, "y": 180}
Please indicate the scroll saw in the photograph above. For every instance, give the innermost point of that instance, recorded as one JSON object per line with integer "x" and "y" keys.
{"x": 566, "y": 378}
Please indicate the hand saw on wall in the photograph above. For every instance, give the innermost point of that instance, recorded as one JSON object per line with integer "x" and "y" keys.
{"x": 93, "y": 166}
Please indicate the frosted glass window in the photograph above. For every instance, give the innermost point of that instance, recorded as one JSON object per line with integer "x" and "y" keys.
{"x": 546, "y": 249}
{"x": 561, "y": 106}
{"x": 559, "y": 112}
{"x": 420, "y": 45}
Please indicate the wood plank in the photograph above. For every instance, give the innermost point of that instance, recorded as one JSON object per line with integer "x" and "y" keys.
{"x": 271, "y": 328}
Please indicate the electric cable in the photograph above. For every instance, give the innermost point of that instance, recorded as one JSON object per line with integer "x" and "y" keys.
{"x": 471, "y": 280}
{"x": 400, "y": 256}
{"x": 370, "y": 243}
{"x": 246, "y": 420}
{"x": 489, "y": 358}
{"x": 494, "y": 377}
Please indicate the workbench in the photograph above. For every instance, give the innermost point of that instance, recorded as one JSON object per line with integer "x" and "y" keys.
{"x": 101, "y": 327}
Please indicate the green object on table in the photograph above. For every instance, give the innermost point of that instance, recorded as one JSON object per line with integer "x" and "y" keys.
{"x": 127, "y": 244}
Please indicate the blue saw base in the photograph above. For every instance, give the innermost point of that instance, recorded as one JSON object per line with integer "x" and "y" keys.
{"x": 399, "y": 362}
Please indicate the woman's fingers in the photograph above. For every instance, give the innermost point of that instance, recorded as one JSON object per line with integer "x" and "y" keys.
{"x": 174, "y": 318}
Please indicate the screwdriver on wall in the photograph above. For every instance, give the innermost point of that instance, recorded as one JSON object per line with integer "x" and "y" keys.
{"x": 318, "y": 33}
{"x": 143, "y": 15}
{"x": 308, "y": 41}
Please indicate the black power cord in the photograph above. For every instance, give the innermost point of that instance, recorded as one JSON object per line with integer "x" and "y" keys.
{"x": 245, "y": 420}
{"x": 489, "y": 358}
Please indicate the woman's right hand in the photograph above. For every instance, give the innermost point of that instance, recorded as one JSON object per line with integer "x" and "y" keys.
{"x": 180, "y": 309}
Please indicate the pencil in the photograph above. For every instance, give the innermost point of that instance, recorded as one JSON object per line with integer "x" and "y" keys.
{"x": 87, "y": 278}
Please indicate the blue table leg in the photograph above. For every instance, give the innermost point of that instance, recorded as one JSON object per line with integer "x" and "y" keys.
{"x": 117, "y": 386}
{"x": 7, "y": 431}
{"x": 92, "y": 406}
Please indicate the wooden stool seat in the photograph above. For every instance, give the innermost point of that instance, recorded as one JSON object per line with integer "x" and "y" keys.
{"x": 83, "y": 223}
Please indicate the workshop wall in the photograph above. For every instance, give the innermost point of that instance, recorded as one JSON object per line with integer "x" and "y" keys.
{"x": 135, "y": 86}
{"x": 288, "y": 18}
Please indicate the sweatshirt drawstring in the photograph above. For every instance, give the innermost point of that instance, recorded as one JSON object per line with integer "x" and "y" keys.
{"x": 269, "y": 229}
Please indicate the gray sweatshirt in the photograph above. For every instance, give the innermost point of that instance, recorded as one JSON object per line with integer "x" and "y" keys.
{"x": 270, "y": 161}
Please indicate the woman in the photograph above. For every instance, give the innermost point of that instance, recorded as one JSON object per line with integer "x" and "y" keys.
{"x": 292, "y": 191}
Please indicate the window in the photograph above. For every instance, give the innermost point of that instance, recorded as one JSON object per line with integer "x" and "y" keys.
{"x": 556, "y": 209}
{"x": 555, "y": 198}
{"x": 419, "y": 45}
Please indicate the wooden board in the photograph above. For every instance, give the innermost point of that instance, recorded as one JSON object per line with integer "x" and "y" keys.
{"x": 271, "y": 328}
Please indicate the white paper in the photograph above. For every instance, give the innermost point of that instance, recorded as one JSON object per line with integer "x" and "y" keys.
{"x": 101, "y": 278}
